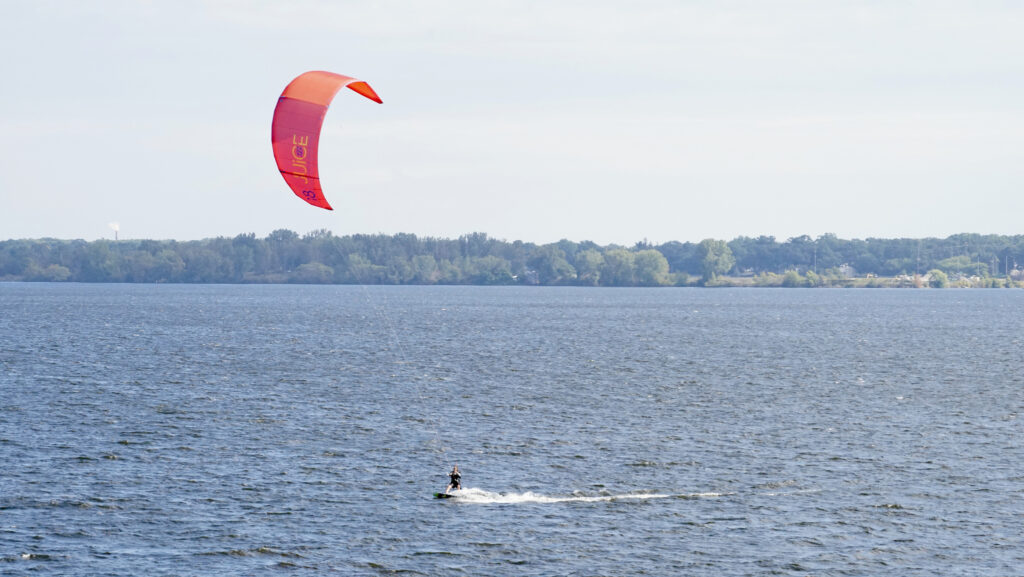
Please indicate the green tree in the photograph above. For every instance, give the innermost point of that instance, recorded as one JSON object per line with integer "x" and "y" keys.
{"x": 425, "y": 269}
{"x": 487, "y": 270}
{"x": 651, "y": 268}
{"x": 313, "y": 273}
{"x": 167, "y": 266}
{"x": 448, "y": 272}
{"x": 715, "y": 257}
{"x": 938, "y": 279}
{"x": 618, "y": 268}
{"x": 55, "y": 273}
{"x": 360, "y": 270}
{"x": 103, "y": 262}
{"x": 793, "y": 279}
{"x": 476, "y": 244}
{"x": 551, "y": 266}
{"x": 589, "y": 263}
{"x": 681, "y": 257}
{"x": 758, "y": 254}
{"x": 205, "y": 265}
{"x": 679, "y": 278}
{"x": 814, "y": 280}
{"x": 287, "y": 250}
{"x": 138, "y": 266}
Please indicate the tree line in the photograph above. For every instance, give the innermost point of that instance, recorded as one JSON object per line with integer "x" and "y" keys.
{"x": 321, "y": 257}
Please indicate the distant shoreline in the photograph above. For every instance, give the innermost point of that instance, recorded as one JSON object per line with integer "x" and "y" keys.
{"x": 320, "y": 257}
{"x": 723, "y": 282}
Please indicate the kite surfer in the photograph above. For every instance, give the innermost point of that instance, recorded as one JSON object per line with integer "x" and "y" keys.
{"x": 456, "y": 480}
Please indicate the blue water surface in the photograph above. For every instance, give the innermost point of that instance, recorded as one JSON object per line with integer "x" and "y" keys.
{"x": 301, "y": 430}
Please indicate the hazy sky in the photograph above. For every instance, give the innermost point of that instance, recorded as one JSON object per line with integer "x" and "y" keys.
{"x": 589, "y": 120}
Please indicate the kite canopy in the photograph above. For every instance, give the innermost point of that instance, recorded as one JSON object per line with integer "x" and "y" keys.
{"x": 295, "y": 132}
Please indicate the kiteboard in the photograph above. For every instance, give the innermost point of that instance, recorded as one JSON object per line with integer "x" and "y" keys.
{"x": 443, "y": 495}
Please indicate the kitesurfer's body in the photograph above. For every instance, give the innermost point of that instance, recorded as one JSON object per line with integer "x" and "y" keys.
{"x": 455, "y": 481}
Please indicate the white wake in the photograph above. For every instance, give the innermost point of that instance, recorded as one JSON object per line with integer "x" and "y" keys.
{"x": 475, "y": 495}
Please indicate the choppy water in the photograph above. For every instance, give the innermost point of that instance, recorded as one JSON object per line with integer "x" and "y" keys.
{"x": 294, "y": 430}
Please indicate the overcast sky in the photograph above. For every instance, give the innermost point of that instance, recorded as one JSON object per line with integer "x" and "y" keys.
{"x": 589, "y": 120}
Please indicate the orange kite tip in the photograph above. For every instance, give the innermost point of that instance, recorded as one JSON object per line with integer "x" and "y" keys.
{"x": 364, "y": 89}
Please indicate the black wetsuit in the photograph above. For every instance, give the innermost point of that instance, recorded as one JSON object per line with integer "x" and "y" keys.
{"x": 456, "y": 481}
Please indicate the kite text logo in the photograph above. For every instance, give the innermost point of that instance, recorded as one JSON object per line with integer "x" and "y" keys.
{"x": 299, "y": 151}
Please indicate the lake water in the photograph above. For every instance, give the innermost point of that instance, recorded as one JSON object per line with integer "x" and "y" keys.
{"x": 301, "y": 430}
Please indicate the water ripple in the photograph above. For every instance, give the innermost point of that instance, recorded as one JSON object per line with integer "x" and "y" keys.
{"x": 162, "y": 430}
